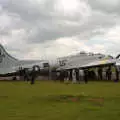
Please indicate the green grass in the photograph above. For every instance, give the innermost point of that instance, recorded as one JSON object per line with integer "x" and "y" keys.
{"x": 45, "y": 101}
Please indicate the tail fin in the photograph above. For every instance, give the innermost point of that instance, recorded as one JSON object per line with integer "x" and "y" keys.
{"x": 6, "y": 60}
{"x": 118, "y": 56}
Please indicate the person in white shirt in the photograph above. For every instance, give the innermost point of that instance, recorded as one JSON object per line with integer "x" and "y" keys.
{"x": 68, "y": 77}
{"x": 81, "y": 75}
{"x": 73, "y": 76}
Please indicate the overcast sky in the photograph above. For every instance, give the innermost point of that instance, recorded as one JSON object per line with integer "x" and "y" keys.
{"x": 46, "y": 29}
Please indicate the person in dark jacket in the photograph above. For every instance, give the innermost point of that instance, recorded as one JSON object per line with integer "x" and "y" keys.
{"x": 117, "y": 74}
{"x": 109, "y": 73}
{"x": 86, "y": 75}
{"x": 100, "y": 77}
{"x": 26, "y": 75}
{"x": 77, "y": 74}
{"x": 65, "y": 75}
{"x": 34, "y": 73}
{"x": 33, "y": 76}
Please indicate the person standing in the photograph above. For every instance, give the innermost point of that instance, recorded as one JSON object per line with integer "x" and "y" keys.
{"x": 77, "y": 74}
{"x": 66, "y": 75}
{"x": 81, "y": 75}
{"x": 86, "y": 75}
{"x": 100, "y": 74}
{"x": 73, "y": 76}
{"x": 26, "y": 75}
{"x": 117, "y": 74}
{"x": 108, "y": 73}
{"x": 33, "y": 76}
{"x": 58, "y": 75}
{"x": 35, "y": 70}
{"x": 62, "y": 76}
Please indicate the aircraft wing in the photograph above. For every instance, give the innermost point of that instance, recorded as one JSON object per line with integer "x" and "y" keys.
{"x": 15, "y": 68}
{"x": 30, "y": 64}
{"x": 7, "y": 70}
{"x": 76, "y": 63}
{"x": 97, "y": 63}
{"x": 88, "y": 64}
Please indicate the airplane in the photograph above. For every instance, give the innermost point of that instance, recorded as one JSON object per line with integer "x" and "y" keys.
{"x": 89, "y": 61}
{"x": 10, "y": 66}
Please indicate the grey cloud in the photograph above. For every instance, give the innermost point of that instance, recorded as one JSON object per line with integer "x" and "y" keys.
{"x": 109, "y": 48}
{"x": 42, "y": 19}
{"x": 30, "y": 10}
{"x": 85, "y": 31}
{"x": 97, "y": 24}
{"x": 42, "y": 22}
{"x": 107, "y": 6}
{"x": 36, "y": 10}
{"x": 4, "y": 32}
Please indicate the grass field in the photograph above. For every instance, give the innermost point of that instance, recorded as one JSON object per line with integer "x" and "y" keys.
{"x": 58, "y": 101}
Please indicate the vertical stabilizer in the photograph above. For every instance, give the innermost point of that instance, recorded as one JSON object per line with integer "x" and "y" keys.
{"x": 6, "y": 61}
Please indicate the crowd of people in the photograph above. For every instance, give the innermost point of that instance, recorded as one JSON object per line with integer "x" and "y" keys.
{"x": 74, "y": 75}
{"x": 79, "y": 75}
{"x": 29, "y": 75}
